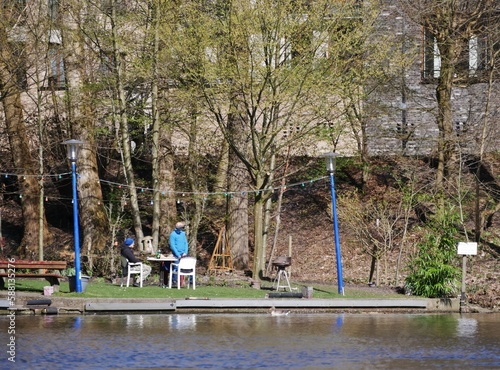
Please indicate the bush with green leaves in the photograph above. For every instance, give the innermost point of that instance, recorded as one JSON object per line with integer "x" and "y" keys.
{"x": 433, "y": 271}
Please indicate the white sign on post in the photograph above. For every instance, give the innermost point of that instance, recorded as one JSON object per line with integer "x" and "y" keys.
{"x": 469, "y": 248}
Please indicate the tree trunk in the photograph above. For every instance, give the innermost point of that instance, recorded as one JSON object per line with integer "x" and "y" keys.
{"x": 155, "y": 150}
{"x": 29, "y": 187}
{"x": 267, "y": 213}
{"x": 259, "y": 258}
{"x": 278, "y": 218}
{"x": 372, "y": 268}
{"x": 446, "y": 142}
{"x": 195, "y": 182}
{"x": 237, "y": 201}
{"x": 166, "y": 181}
{"x": 92, "y": 215}
{"x": 93, "y": 220}
{"x": 222, "y": 172}
{"x": 123, "y": 119}
{"x": 486, "y": 127}
{"x": 238, "y": 221}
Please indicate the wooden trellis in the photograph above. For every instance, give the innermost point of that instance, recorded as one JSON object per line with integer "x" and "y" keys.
{"x": 221, "y": 257}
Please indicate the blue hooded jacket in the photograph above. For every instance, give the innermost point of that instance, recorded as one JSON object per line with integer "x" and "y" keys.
{"x": 178, "y": 242}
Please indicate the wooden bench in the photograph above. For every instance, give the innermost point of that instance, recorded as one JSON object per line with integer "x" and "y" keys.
{"x": 52, "y": 271}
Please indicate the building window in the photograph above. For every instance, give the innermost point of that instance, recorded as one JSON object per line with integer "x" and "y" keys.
{"x": 53, "y": 10}
{"x": 432, "y": 59}
{"x": 476, "y": 57}
{"x": 57, "y": 78}
{"x": 489, "y": 51}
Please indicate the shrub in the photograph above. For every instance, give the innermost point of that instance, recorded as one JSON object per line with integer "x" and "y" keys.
{"x": 433, "y": 273}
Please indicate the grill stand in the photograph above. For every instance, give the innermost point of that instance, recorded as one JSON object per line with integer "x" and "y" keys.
{"x": 281, "y": 276}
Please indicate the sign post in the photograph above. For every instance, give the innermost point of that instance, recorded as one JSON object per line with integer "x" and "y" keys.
{"x": 465, "y": 249}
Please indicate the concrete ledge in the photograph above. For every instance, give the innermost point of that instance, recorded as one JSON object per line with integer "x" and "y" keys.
{"x": 130, "y": 306}
{"x": 443, "y": 304}
{"x": 303, "y": 303}
{"x": 4, "y": 303}
{"x": 93, "y": 305}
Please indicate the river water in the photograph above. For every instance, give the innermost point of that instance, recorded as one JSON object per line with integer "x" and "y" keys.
{"x": 252, "y": 341}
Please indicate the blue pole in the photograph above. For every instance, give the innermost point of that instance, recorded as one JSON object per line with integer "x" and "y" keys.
{"x": 336, "y": 235}
{"x": 76, "y": 230}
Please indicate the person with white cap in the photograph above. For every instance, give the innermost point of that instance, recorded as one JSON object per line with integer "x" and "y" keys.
{"x": 128, "y": 253}
{"x": 179, "y": 243}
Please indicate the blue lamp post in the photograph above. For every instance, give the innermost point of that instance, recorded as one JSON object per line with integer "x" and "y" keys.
{"x": 330, "y": 167}
{"x": 73, "y": 147}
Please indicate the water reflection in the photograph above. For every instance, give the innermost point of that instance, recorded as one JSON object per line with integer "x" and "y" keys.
{"x": 301, "y": 341}
{"x": 182, "y": 322}
{"x": 78, "y": 322}
{"x": 467, "y": 327}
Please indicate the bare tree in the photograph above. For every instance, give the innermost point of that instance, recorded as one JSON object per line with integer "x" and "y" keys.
{"x": 80, "y": 106}
{"x": 164, "y": 209}
{"x": 12, "y": 76}
{"x": 450, "y": 25}
{"x": 266, "y": 71}
{"x": 377, "y": 225}
{"x": 488, "y": 128}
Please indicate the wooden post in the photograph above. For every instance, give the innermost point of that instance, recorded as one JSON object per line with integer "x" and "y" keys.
{"x": 465, "y": 249}
{"x": 290, "y": 254}
{"x": 462, "y": 295}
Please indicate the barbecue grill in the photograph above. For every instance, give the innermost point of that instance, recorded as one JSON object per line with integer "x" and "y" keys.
{"x": 281, "y": 263}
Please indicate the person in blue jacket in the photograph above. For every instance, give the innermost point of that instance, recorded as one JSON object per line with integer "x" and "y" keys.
{"x": 179, "y": 243}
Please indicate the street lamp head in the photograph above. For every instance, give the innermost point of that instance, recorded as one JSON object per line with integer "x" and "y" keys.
{"x": 330, "y": 159}
{"x": 73, "y": 147}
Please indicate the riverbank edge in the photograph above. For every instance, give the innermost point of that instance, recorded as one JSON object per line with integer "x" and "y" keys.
{"x": 42, "y": 305}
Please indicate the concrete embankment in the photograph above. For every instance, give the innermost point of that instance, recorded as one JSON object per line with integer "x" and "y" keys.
{"x": 61, "y": 305}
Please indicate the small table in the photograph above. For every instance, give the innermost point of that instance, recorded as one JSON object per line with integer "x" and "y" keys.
{"x": 170, "y": 258}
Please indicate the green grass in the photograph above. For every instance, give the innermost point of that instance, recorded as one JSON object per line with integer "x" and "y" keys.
{"x": 98, "y": 288}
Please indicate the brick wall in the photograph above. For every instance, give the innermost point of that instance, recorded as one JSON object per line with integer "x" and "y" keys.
{"x": 411, "y": 128}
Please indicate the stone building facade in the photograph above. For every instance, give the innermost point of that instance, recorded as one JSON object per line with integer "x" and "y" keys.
{"x": 402, "y": 118}
{"x": 406, "y": 108}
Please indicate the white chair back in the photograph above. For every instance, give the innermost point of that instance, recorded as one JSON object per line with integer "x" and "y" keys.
{"x": 134, "y": 268}
{"x": 187, "y": 263}
{"x": 185, "y": 267}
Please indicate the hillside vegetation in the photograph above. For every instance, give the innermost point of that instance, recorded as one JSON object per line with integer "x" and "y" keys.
{"x": 398, "y": 195}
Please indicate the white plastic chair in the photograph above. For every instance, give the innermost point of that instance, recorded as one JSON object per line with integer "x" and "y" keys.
{"x": 134, "y": 268}
{"x": 185, "y": 267}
